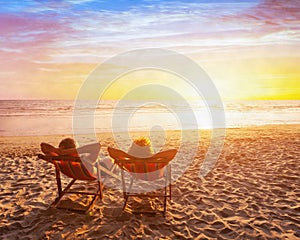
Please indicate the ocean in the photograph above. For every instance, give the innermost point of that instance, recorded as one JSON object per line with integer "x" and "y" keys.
{"x": 48, "y": 117}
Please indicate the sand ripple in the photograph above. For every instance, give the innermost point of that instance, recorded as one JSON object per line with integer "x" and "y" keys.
{"x": 252, "y": 193}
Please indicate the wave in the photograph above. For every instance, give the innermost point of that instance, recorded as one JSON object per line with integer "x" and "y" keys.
{"x": 40, "y": 117}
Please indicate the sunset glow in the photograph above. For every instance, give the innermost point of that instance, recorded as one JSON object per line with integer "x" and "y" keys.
{"x": 250, "y": 49}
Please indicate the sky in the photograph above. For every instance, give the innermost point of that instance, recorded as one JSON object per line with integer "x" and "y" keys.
{"x": 249, "y": 49}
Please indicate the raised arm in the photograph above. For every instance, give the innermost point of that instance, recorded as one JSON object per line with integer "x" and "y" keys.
{"x": 93, "y": 148}
{"x": 48, "y": 149}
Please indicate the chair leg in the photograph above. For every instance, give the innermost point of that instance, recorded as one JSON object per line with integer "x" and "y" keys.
{"x": 170, "y": 181}
{"x": 58, "y": 181}
{"x": 99, "y": 193}
{"x": 165, "y": 206}
{"x": 59, "y": 188}
{"x": 61, "y": 192}
{"x": 168, "y": 186}
{"x": 130, "y": 184}
{"x": 100, "y": 189}
{"x": 123, "y": 181}
{"x": 165, "y": 195}
{"x": 125, "y": 202}
{"x": 126, "y": 191}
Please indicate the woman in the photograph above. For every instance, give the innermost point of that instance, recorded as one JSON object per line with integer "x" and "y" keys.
{"x": 88, "y": 153}
{"x": 141, "y": 148}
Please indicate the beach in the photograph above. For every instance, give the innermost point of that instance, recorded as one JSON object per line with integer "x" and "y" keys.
{"x": 253, "y": 192}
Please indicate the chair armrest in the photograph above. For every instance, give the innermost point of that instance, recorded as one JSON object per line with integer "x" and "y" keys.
{"x": 59, "y": 158}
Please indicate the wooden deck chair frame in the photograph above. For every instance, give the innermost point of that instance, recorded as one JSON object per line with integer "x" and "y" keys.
{"x": 161, "y": 159}
{"x": 67, "y": 190}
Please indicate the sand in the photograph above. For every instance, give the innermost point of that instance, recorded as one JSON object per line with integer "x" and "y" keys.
{"x": 253, "y": 192}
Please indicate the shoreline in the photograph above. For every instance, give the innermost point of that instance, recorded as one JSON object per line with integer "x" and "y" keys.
{"x": 167, "y": 130}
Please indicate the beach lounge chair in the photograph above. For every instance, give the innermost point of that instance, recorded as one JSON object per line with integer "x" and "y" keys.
{"x": 72, "y": 167}
{"x": 146, "y": 169}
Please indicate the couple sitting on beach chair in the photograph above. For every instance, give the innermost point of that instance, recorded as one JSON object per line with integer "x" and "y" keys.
{"x": 83, "y": 163}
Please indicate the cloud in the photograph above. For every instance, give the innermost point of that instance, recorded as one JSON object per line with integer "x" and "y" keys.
{"x": 7, "y": 74}
{"x": 10, "y": 50}
{"x": 38, "y": 36}
{"x": 61, "y": 31}
{"x": 271, "y": 18}
{"x": 49, "y": 69}
{"x": 148, "y": 28}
